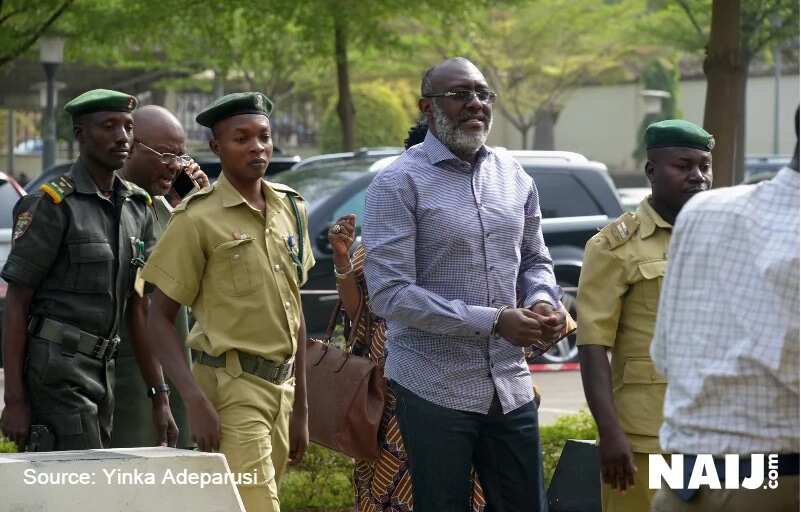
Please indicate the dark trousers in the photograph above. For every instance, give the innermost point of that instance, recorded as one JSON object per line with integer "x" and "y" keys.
{"x": 71, "y": 395}
{"x": 443, "y": 443}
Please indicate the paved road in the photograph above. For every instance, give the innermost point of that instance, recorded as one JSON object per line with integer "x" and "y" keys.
{"x": 561, "y": 394}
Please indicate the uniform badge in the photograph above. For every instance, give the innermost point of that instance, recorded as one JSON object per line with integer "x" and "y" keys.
{"x": 23, "y": 223}
{"x": 131, "y": 101}
{"x": 259, "y": 102}
{"x": 623, "y": 230}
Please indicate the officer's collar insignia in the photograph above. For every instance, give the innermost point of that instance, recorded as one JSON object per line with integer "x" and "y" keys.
{"x": 622, "y": 229}
{"x": 24, "y": 220}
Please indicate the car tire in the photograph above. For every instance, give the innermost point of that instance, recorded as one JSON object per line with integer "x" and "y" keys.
{"x": 565, "y": 351}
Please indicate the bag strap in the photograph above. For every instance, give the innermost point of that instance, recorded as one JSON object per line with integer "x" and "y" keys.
{"x": 332, "y": 322}
{"x": 301, "y": 240}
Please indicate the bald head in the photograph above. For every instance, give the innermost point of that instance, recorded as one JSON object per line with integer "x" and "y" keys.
{"x": 435, "y": 76}
{"x": 156, "y": 132}
{"x": 155, "y": 122}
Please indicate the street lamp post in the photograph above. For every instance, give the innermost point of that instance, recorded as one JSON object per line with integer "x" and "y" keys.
{"x": 51, "y": 54}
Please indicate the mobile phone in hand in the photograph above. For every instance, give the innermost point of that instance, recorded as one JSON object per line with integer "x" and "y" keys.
{"x": 184, "y": 184}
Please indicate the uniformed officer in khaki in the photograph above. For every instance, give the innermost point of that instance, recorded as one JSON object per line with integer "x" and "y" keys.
{"x": 617, "y": 302}
{"x": 78, "y": 245}
{"x": 240, "y": 268}
{"x": 157, "y": 155}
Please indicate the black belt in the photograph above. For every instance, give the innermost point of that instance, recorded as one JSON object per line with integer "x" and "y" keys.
{"x": 73, "y": 339}
{"x": 276, "y": 373}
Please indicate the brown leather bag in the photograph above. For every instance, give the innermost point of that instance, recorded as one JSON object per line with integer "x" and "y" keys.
{"x": 345, "y": 393}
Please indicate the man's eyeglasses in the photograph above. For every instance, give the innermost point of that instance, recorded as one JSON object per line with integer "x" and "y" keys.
{"x": 465, "y": 96}
{"x": 167, "y": 158}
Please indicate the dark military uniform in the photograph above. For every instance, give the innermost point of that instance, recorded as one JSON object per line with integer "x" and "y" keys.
{"x": 80, "y": 251}
{"x": 133, "y": 416}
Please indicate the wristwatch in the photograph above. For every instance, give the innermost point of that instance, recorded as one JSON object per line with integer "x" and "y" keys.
{"x": 152, "y": 391}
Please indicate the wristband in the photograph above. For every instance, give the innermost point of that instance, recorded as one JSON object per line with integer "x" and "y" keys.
{"x": 152, "y": 391}
{"x": 496, "y": 321}
{"x": 344, "y": 274}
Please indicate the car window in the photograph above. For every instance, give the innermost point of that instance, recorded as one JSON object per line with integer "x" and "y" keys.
{"x": 8, "y": 198}
{"x": 319, "y": 180}
{"x": 354, "y": 204}
{"x": 561, "y": 195}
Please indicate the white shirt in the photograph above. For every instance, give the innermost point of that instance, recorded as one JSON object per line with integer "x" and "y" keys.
{"x": 727, "y": 332}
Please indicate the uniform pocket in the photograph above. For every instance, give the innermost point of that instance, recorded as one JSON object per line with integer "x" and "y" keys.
{"x": 91, "y": 266}
{"x": 236, "y": 267}
{"x": 639, "y": 400}
{"x": 652, "y": 273}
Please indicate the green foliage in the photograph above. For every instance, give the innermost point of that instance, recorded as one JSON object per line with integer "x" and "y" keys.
{"x": 553, "y": 437}
{"x": 660, "y": 75}
{"x": 7, "y": 446}
{"x": 322, "y": 482}
{"x": 380, "y": 119}
{"x": 23, "y": 22}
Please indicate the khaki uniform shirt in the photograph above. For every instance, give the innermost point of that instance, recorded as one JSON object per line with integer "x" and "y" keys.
{"x": 617, "y": 301}
{"x": 78, "y": 249}
{"x": 233, "y": 265}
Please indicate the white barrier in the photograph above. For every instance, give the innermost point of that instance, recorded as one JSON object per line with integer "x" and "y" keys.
{"x": 119, "y": 480}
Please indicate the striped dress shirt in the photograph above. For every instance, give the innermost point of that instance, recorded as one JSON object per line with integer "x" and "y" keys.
{"x": 448, "y": 243}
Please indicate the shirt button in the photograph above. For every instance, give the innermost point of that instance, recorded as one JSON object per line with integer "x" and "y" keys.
{"x": 236, "y": 256}
{"x": 286, "y": 304}
{"x": 276, "y": 267}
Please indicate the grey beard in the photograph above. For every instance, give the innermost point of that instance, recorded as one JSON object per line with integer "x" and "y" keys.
{"x": 454, "y": 138}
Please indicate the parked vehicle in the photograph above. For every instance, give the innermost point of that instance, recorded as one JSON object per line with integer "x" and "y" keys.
{"x": 632, "y": 197}
{"x": 763, "y": 167}
{"x": 10, "y": 192}
{"x": 577, "y": 198}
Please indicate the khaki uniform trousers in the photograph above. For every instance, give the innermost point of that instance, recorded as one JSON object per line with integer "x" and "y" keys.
{"x": 782, "y": 499}
{"x": 254, "y": 420}
{"x": 635, "y": 499}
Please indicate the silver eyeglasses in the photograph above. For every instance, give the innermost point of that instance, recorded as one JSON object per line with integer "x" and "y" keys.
{"x": 464, "y": 96}
{"x": 167, "y": 158}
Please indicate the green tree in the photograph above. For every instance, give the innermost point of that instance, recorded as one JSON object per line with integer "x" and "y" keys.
{"x": 731, "y": 34}
{"x": 661, "y": 75}
{"x": 537, "y": 53}
{"x": 382, "y": 119}
{"x": 23, "y": 22}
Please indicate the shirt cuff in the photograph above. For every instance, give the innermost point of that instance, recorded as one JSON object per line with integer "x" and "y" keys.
{"x": 541, "y": 296}
{"x": 480, "y": 320}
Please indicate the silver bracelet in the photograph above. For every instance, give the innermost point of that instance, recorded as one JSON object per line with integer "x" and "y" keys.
{"x": 345, "y": 274}
{"x": 494, "y": 331}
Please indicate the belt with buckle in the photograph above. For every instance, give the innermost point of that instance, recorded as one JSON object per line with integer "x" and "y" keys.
{"x": 276, "y": 373}
{"x": 73, "y": 339}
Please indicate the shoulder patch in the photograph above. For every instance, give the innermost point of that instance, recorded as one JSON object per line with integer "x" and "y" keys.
{"x": 58, "y": 188}
{"x": 283, "y": 188}
{"x": 203, "y": 192}
{"x": 621, "y": 229}
{"x": 137, "y": 191}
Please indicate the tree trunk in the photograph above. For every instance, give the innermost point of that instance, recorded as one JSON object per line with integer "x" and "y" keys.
{"x": 544, "y": 121}
{"x": 739, "y": 157}
{"x": 726, "y": 75}
{"x": 345, "y": 108}
{"x": 524, "y": 137}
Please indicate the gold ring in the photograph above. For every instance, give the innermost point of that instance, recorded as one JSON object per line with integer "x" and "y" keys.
{"x": 336, "y": 228}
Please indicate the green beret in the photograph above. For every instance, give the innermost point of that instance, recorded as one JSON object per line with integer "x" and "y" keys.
{"x": 100, "y": 100}
{"x": 233, "y": 105}
{"x": 678, "y": 133}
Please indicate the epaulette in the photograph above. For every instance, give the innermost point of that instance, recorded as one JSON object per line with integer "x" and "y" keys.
{"x": 191, "y": 197}
{"x": 58, "y": 188}
{"x": 280, "y": 187}
{"x": 138, "y": 191}
{"x": 621, "y": 229}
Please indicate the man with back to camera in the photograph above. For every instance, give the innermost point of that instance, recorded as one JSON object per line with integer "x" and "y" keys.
{"x": 78, "y": 246}
{"x": 454, "y": 244}
{"x": 727, "y": 341}
{"x": 617, "y": 302}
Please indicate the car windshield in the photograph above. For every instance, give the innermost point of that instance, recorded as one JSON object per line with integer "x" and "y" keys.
{"x": 319, "y": 180}
{"x": 8, "y": 198}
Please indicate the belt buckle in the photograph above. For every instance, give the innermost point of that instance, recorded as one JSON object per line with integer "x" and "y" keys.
{"x": 100, "y": 348}
{"x": 115, "y": 344}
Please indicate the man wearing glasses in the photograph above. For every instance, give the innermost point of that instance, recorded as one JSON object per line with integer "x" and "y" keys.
{"x": 157, "y": 158}
{"x": 457, "y": 265}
